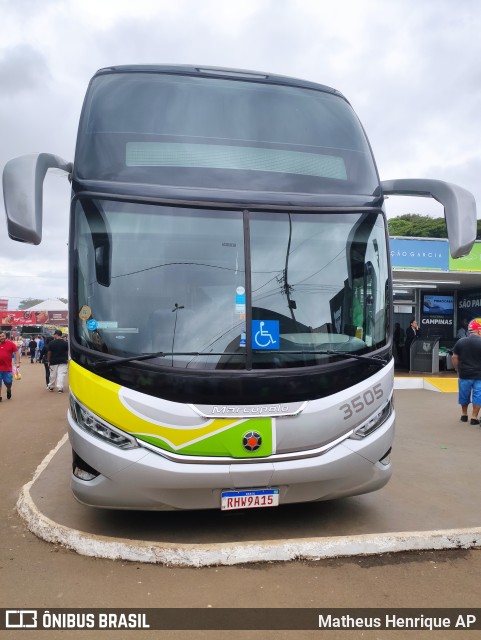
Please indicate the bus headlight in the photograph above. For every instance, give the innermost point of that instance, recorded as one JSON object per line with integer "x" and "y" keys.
{"x": 97, "y": 427}
{"x": 366, "y": 428}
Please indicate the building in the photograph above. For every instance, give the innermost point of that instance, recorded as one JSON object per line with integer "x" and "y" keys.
{"x": 443, "y": 294}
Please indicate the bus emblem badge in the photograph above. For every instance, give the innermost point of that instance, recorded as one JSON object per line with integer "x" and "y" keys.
{"x": 252, "y": 441}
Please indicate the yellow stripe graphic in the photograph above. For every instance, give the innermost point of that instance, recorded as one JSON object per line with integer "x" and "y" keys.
{"x": 101, "y": 396}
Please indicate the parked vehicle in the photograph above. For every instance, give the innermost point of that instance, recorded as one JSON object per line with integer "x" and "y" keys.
{"x": 230, "y": 290}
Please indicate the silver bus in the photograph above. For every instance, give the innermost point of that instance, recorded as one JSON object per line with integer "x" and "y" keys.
{"x": 229, "y": 290}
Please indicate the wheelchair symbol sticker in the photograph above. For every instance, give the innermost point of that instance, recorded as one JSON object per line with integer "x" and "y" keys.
{"x": 265, "y": 334}
{"x": 91, "y": 324}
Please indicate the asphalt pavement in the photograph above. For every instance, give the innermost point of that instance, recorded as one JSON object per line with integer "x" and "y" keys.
{"x": 431, "y": 502}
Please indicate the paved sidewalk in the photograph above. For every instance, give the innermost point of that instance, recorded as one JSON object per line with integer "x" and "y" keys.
{"x": 432, "y": 502}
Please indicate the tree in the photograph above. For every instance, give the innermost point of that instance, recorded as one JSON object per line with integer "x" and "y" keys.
{"x": 418, "y": 226}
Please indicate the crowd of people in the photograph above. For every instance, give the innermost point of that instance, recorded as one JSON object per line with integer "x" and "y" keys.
{"x": 31, "y": 347}
{"x": 51, "y": 351}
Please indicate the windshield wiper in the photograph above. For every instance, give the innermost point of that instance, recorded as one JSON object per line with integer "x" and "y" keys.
{"x": 109, "y": 364}
{"x": 100, "y": 365}
{"x": 380, "y": 362}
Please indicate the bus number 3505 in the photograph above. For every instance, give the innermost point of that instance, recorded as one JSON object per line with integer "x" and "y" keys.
{"x": 360, "y": 402}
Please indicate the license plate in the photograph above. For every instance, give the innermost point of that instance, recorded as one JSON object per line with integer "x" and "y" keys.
{"x": 249, "y": 499}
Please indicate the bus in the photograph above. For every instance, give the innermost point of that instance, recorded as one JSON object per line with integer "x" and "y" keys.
{"x": 230, "y": 295}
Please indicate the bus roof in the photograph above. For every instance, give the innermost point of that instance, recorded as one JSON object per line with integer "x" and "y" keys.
{"x": 219, "y": 72}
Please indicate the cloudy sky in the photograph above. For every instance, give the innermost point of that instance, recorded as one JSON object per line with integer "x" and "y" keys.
{"x": 410, "y": 68}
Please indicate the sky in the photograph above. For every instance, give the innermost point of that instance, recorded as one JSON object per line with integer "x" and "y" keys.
{"x": 410, "y": 68}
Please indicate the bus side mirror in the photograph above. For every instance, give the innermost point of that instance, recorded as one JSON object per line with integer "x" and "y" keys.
{"x": 459, "y": 208}
{"x": 23, "y": 193}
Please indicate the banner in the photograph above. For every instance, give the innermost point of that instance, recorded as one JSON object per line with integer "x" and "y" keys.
{"x": 57, "y": 317}
{"x": 17, "y": 318}
{"x": 469, "y": 307}
{"x": 3, "y": 304}
{"x": 245, "y": 619}
{"x": 410, "y": 253}
{"x": 437, "y": 315}
{"x": 471, "y": 262}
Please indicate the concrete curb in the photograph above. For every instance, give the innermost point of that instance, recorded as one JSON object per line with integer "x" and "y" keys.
{"x": 203, "y": 555}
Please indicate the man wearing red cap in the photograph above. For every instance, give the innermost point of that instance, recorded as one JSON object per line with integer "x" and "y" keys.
{"x": 467, "y": 362}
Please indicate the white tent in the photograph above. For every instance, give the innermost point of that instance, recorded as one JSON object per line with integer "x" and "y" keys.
{"x": 53, "y": 304}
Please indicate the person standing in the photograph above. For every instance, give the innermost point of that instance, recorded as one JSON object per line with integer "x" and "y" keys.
{"x": 7, "y": 351}
{"x": 40, "y": 345}
{"x": 467, "y": 362}
{"x": 57, "y": 358}
{"x": 412, "y": 333}
{"x": 43, "y": 359}
{"x": 32, "y": 347}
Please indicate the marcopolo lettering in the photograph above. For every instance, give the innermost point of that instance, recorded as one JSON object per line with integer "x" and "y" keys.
{"x": 250, "y": 411}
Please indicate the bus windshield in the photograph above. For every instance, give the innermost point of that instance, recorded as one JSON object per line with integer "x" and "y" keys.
{"x": 228, "y": 289}
{"x": 187, "y": 131}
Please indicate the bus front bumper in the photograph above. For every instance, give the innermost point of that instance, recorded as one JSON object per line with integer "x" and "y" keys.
{"x": 140, "y": 479}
